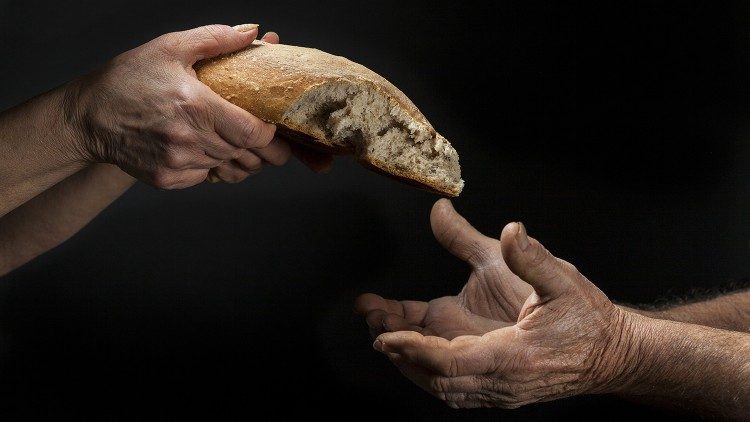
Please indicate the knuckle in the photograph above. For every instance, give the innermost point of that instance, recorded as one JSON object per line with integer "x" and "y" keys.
{"x": 188, "y": 98}
{"x": 180, "y": 136}
{"x": 213, "y": 34}
{"x": 251, "y": 134}
{"x": 163, "y": 179}
{"x": 168, "y": 43}
{"x": 439, "y": 385}
{"x": 198, "y": 176}
{"x": 453, "y": 367}
{"x": 173, "y": 160}
{"x": 540, "y": 256}
{"x": 254, "y": 163}
{"x": 568, "y": 267}
{"x": 208, "y": 39}
{"x": 236, "y": 154}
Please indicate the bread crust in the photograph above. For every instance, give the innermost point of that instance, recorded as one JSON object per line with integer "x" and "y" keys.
{"x": 266, "y": 79}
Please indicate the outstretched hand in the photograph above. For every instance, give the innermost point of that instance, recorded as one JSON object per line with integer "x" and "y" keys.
{"x": 492, "y": 298}
{"x": 527, "y": 326}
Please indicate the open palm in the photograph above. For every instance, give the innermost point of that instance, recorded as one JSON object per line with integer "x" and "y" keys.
{"x": 492, "y": 298}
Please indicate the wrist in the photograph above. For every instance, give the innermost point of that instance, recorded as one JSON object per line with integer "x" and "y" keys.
{"x": 648, "y": 357}
{"x": 651, "y": 313}
{"x": 625, "y": 359}
{"x": 75, "y": 129}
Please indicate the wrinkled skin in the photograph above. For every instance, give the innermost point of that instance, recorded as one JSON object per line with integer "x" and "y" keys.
{"x": 147, "y": 113}
{"x": 527, "y": 326}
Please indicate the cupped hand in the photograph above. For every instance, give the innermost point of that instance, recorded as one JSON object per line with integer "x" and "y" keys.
{"x": 532, "y": 329}
{"x": 491, "y": 299}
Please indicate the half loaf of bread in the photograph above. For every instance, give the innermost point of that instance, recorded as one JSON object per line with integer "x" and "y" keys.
{"x": 338, "y": 105}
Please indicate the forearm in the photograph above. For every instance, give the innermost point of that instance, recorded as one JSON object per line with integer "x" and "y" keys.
{"x": 687, "y": 367}
{"x": 58, "y": 213}
{"x": 729, "y": 312}
{"x": 39, "y": 146}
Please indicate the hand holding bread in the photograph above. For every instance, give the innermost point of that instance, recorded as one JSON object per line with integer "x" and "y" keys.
{"x": 205, "y": 104}
{"x": 147, "y": 113}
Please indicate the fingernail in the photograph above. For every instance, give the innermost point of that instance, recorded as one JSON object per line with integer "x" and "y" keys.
{"x": 245, "y": 27}
{"x": 521, "y": 237}
{"x": 378, "y": 345}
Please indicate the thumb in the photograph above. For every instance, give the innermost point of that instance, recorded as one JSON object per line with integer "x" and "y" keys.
{"x": 212, "y": 40}
{"x": 533, "y": 263}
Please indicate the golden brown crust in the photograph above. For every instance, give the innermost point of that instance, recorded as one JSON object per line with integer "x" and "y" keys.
{"x": 411, "y": 178}
{"x": 266, "y": 79}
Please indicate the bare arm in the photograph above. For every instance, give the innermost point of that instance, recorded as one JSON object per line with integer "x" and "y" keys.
{"x": 687, "y": 367}
{"x": 58, "y": 213}
{"x": 729, "y": 312}
{"x": 38, "y": 148}
{"x": 145, "y": 112}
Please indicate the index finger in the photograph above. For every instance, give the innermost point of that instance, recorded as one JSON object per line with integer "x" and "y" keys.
{"x": 212, "y": 40}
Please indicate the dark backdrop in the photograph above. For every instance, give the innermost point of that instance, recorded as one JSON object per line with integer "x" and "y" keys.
{"x": 618, "y": 135}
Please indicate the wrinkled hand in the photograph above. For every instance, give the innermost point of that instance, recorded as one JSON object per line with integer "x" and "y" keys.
{"x": 491, "y": 299}
{"x": 147, "y": 113}
{"x": 527, "y": 327}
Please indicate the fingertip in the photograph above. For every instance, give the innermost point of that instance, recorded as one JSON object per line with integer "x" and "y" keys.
{"x": 442, "y": 206}
{"x": 396, "y": 339}
{"x": 285, "y": 150}
{"x": 263, "y": 136}
{"x": 247, "y": 28}
{"x": 271, "y": 37}
{"x": 508, "y": 233}
{"x": 514, "y": 239}
{"x": 441, "y": 213}
{"x": 392, "y": 341}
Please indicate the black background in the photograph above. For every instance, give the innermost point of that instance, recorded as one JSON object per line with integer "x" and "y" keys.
{"x": 618, "y": 135}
